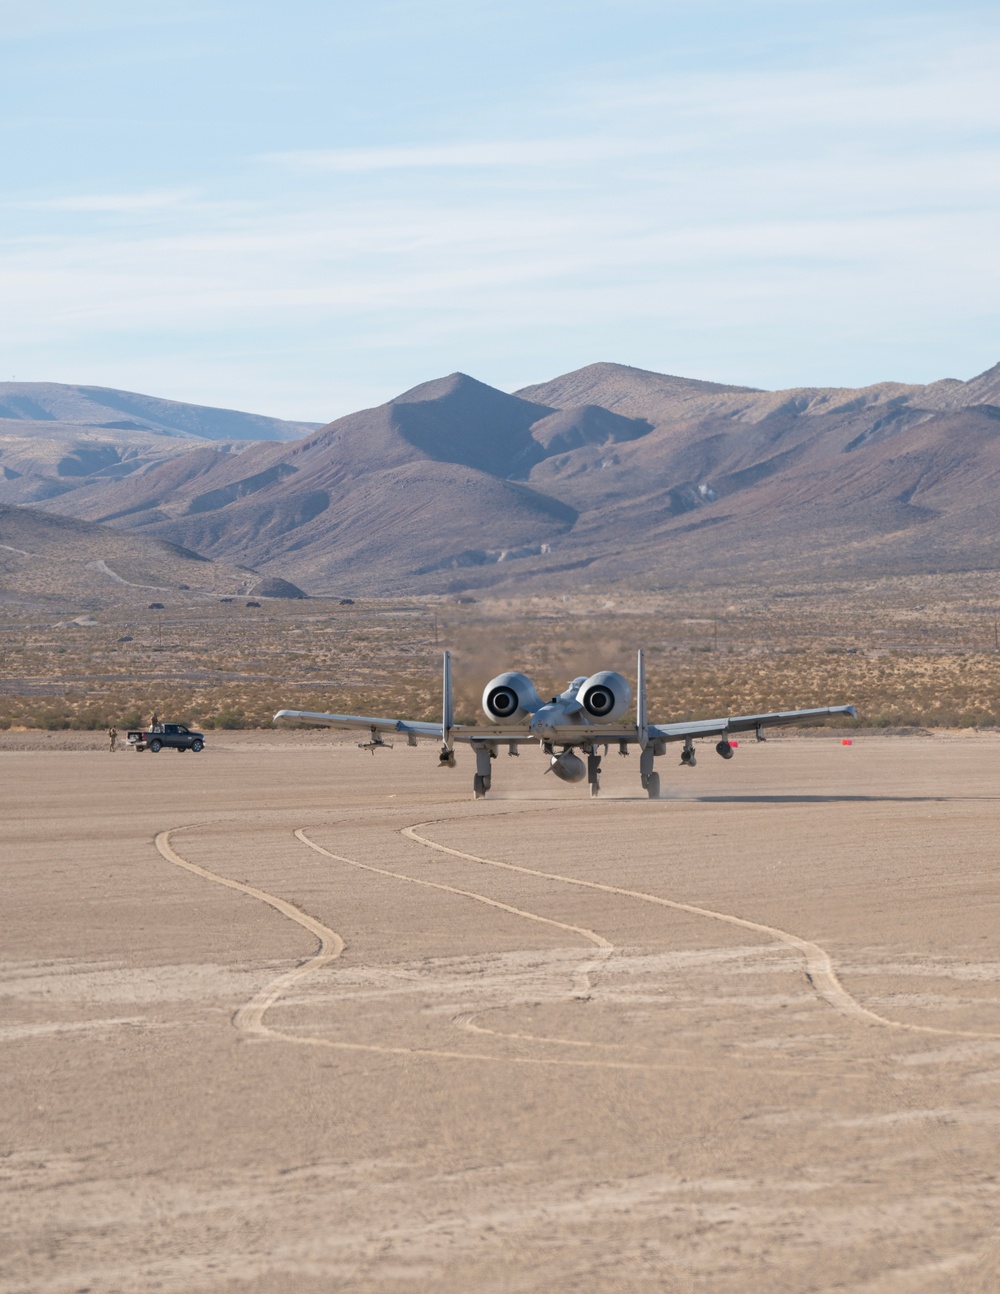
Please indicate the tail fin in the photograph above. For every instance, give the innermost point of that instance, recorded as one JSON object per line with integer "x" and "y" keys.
{"x": 640, "y": 700}
{"x": 447, "y": 705}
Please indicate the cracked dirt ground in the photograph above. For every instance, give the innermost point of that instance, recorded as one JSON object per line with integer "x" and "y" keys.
{"x": 289, "y": 1017}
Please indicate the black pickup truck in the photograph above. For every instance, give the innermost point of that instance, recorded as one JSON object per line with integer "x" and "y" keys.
{"x": 174, "y": 735}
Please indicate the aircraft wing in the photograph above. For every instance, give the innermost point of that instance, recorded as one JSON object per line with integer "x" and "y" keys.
{"x": 362, "y": 721}
{"x": 458, "y": 732}
{"x": 742, "y": 723}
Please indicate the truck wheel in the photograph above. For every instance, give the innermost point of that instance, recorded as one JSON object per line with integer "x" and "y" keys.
{"x": 197, "y": 745}
{"x": 155, "y": 746}
{"x": 180, "y": 749}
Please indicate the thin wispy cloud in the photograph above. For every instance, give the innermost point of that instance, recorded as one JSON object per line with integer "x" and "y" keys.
{"x": 486, "y": 154}
{"x": 107, "y": 203}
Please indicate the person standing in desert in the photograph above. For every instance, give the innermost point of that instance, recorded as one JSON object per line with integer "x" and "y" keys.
{"x": 112, "y": 738}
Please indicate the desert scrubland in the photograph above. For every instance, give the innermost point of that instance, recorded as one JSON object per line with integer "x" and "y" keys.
{"x": 915, "y": 651}
{"x": 261, "y": 1033}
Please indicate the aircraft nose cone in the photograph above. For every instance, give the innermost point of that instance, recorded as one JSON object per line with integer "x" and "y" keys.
{"x": 541, "y": 724}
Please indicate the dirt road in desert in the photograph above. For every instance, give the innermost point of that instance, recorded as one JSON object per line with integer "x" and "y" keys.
{"x": 284, "y": 1016}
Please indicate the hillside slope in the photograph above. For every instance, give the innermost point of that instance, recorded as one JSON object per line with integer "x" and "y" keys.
{"x": 59, "y": 562}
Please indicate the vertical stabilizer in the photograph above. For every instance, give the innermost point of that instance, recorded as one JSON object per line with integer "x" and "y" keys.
{"x": 640, "y": 699}
{"x": 447, "y": 705}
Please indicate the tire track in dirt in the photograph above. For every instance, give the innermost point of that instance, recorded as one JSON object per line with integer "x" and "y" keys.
{"x": 467, "y": 1020}
{"x": 819, "y": 965}
{"x": 249, "y": 1019}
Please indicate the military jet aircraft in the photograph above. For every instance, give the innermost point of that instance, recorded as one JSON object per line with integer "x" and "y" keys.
{"x": 588, "y": 715}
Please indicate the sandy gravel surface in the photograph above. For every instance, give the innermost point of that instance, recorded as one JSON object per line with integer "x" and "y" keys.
{"x": 35, "y": 739}
{"x": 286, "y": 1017}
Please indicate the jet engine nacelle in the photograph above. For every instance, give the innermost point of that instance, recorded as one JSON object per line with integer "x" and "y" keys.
{"x": 605, "y": 696}
{"x": 510, "y": 698}
{"x": 569, "y": 767}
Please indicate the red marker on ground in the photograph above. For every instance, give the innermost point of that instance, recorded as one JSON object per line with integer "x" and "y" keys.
{"x": 846, "y": 741}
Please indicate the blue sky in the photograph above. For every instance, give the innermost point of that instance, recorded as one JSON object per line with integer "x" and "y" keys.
{"x": 304, "y": 208}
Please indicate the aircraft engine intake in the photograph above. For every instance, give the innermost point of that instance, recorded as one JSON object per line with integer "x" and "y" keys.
{"x": 510, "y": 698}
{"x": 569, "y": 767}
{"x": 605, "y": 696}
{"x": 724, "y": 749}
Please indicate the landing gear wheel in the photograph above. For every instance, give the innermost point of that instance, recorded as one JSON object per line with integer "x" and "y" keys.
{"x": 155, "y": 746}
{"x": 595, "y": 789}
{"x": 480, "y": 785}
{"x": 197, "y": 745}
{"x": 653, "y": 786}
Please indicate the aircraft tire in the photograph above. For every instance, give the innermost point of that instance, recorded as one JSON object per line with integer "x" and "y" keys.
{"x": 595, "y": 790}
{"x": 653, "y": 786}
{"x": 479, "y": 787}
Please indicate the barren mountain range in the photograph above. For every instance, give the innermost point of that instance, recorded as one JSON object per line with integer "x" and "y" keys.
{"x": 608, "y": 473}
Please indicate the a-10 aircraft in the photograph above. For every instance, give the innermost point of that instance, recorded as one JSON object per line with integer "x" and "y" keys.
{"x": 590, "y": 714}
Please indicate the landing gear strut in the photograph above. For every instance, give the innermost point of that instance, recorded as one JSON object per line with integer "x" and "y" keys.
{"x": 594, "y": 773}
{"x": 482, "y": 779}
{"x": 650, "y": 780}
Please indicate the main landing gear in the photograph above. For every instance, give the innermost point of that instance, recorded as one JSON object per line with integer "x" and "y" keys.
{"x": 594, "y": 772}
{"x": 481, "y": 781}
{"x": 650, "y": 780}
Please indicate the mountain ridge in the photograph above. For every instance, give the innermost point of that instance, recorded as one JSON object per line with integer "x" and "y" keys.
{"x": 604, "y": 474}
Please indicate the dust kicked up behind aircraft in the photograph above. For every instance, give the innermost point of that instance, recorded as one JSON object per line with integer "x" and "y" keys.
{"x": 589, "y": 717}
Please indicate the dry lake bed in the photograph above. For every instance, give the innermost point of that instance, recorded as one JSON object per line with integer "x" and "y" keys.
{"x": 287, "y": 1017}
